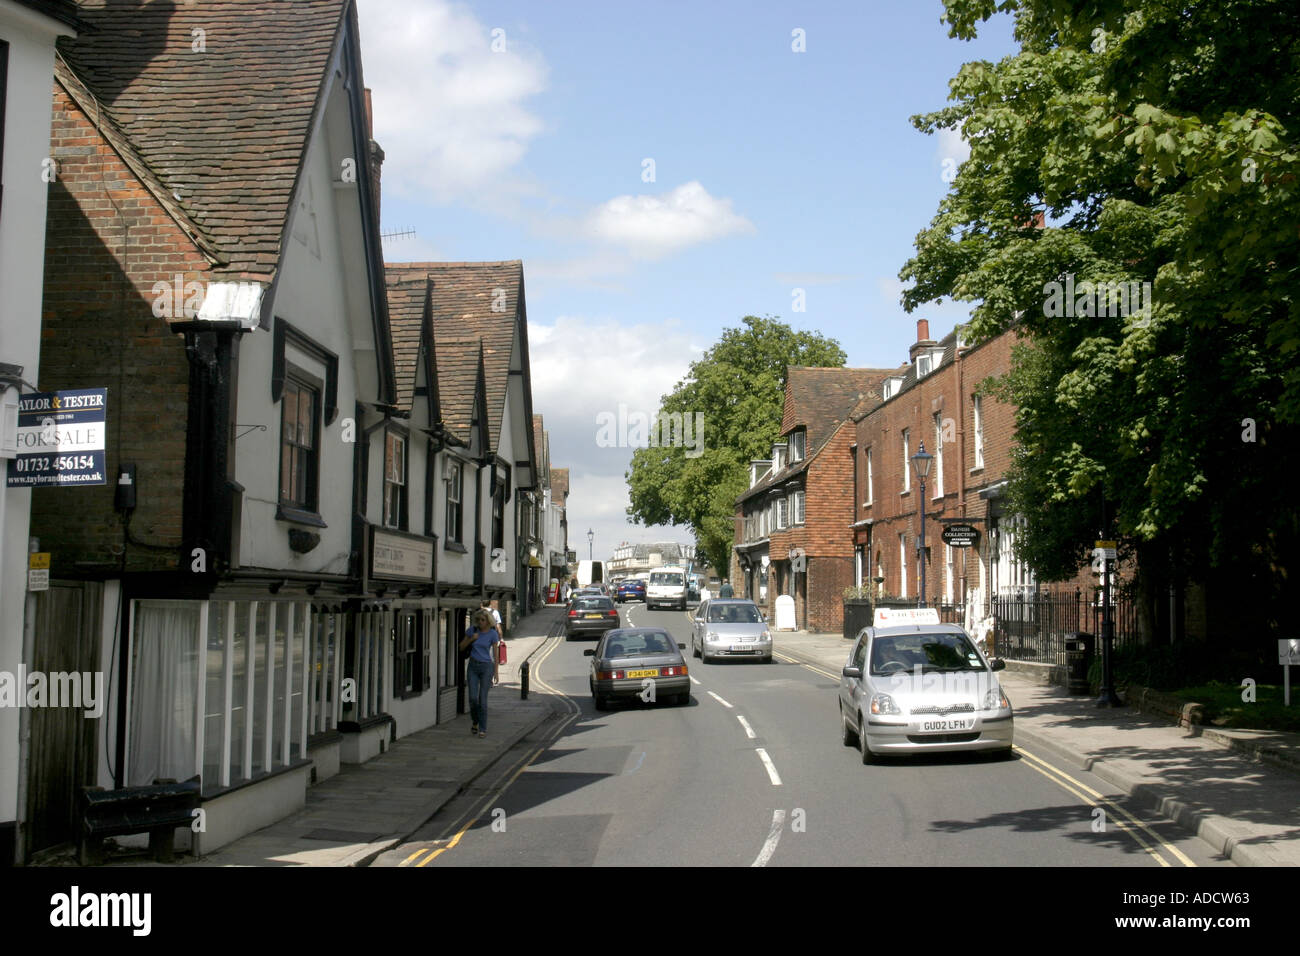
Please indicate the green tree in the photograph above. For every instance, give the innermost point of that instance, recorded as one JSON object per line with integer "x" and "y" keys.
{"x": 739, "y": 388}
{"x": 1158, "y": 139}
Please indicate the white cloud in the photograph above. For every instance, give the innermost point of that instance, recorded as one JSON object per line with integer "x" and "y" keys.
{"x": 449, "y": 112}
{"x": 654, "y": 226}
{"x": 950, "y": 144}
{"x": 580, "y": 368}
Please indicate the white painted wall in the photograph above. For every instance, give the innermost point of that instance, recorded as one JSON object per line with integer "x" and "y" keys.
{"x": 322, "y": 265}
{"x": 28, "y": 104}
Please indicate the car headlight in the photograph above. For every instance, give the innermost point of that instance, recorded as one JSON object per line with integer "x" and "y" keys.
{"x": 765, "y": 636}
{"x": 883, "y": 704}
{"x": 994, "y": 699}
{"x": 711, "y": 636}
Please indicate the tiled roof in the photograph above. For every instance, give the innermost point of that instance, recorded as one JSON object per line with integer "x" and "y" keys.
{"x": 559, "y": 484}
{"x": 457, "y": 362}
{"x": 224, "y": 129}
{"x": 543, "y": 452}
{"x": 407, "y": 298}
{"x": 821, "y": 398}
{"x": 463, "y": 298}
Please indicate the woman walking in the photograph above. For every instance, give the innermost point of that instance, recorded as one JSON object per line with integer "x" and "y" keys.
{"x": 481, "y": 639}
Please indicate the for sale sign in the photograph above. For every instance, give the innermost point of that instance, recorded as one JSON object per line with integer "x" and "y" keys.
{"x": 60, "y": 439}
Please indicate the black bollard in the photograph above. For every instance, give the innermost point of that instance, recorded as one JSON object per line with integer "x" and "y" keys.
{"x": 523, "y": 681}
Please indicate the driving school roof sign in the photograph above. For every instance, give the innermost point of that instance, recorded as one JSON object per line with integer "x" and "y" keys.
{"x": 60, "y": 439}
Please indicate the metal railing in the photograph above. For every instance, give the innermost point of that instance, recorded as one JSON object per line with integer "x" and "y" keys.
{"x": 1034, "y": 627}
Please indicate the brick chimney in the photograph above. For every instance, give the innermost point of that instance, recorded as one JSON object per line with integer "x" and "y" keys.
{"x": 376, "y": 153}
{"x": 923, "y": 340}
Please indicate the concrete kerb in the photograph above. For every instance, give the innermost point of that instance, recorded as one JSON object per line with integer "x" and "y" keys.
{"x": 1205, "y": 824}
{"x": 368, "y": 854}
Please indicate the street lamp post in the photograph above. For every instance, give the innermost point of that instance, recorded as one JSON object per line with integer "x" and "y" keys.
{"x": 591, "y": 536}
{"x": 922, "y": 461}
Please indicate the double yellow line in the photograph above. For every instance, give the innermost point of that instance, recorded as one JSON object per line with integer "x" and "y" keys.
{"x": 1132, "y": 826}
{"x": 428, "y": 854}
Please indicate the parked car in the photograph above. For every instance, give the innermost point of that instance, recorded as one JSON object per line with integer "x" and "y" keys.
{"x": 631, "y": 590}
{"x": 922, "y": 688}
{"x": 642, "y": 662}
{"x": 590, "y": 614}
{"x": 730, "y": 628}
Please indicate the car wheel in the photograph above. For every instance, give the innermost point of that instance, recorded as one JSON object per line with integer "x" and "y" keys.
{"x": 695, "y": 650}
{"x": 602, "y": 703}
{"x": 768, "y": 659}
{"x": 848, "y": 734}
{"x": 868, "y": 757}
{"x": 1001, "y": 755}
{"x": 684, "y": 700}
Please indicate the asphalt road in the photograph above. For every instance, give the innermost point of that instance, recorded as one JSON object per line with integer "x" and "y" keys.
{"x": 753, "y": 772}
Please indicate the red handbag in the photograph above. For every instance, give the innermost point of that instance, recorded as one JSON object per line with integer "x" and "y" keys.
{"x": 501, "y": 651}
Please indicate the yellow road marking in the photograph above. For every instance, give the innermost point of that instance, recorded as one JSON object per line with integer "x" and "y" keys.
{"x": 1141, "y": 842}
{"x": 1056, "y": 775}
{"x": 417, "y": 853}
{"x": 497, "y": 789}
{"x": 814, "y": 669}
{"x": 1119, "y": 811}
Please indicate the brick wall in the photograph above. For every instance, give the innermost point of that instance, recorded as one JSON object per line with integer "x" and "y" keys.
{"x": 107, "y": 242}
{"x": 946, "y": 393}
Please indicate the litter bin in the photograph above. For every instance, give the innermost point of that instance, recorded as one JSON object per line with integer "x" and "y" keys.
{"x": 1079, "y": 649}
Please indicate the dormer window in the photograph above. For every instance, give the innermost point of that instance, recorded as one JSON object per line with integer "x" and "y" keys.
{"x": 927, "y": 362}
{"x": 891, "y": 387}
{"x": 798, "y": 441}
{"x": 778, "y": 457}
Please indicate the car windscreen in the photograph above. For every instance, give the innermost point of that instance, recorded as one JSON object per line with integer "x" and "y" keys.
{"x": 931, "y": 653}
{"x": 637, "y": 645}
{"x": 593, "y": 604}
{"x": 733, "y": 614}
{"x": 674, "y": 580}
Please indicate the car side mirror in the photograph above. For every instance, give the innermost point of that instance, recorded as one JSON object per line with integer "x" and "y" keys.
{"x": 997, "y": 664}
{"x": 589, "y": 652}
{"x": 681, "y": 646}
{"x": 852, "y": 672}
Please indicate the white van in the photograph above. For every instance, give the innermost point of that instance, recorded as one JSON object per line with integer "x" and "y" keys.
{"x": 590, "y": 572}
{"x": 666, "y": 588}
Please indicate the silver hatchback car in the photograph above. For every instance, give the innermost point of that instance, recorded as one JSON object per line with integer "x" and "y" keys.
{"x": 723, "y": 627}
{"x": 922, "y": 688}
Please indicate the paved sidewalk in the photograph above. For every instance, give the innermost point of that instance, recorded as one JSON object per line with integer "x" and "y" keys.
{"x": 1245, "y": 809}
{"x": 369, "y": 808}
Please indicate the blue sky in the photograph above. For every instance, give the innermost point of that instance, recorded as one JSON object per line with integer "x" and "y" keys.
{"x": 773, "y": 171}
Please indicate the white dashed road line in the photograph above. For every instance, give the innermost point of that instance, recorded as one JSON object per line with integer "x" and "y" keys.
{"x": 694, "y": 680}
{"x": 771, "y": 767}
{"x": 773, "y": 837}
{"x": 744, "y": 723}
{"x": 719, "y": 699}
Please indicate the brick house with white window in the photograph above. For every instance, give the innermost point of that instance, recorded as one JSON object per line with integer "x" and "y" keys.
{"x": 935, "y": 400}
{"x": 793, "y": 523}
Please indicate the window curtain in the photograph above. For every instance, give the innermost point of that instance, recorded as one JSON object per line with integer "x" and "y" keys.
{"x": 164, "y": 692}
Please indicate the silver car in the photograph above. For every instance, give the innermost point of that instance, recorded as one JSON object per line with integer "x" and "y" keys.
{"x": 730, "y": 628}
{"x": 922, "y": 688}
